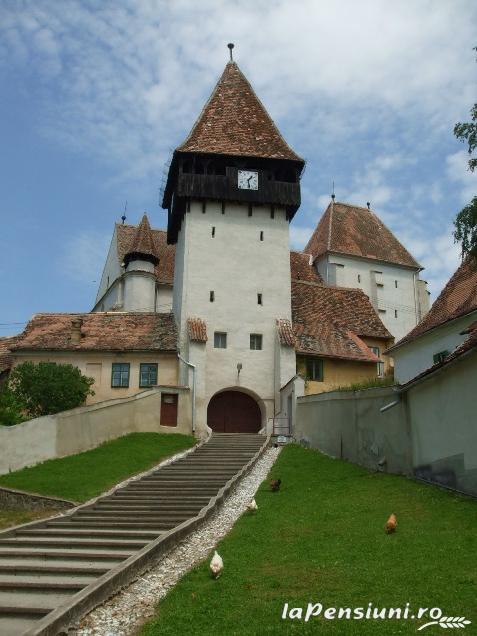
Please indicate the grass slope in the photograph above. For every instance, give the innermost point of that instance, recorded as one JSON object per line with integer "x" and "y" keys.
{"x": 321, "y": 539}
{"x": 14, "y": 516}
{"x": 86, "y": 475}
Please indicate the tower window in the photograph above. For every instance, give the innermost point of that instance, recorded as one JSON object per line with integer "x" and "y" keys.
{"x": 359, "y": 278}
{"x": 272, "y": 212}
{"x": 256, "y": 341}
{"x": 395, "y": 313}
{"x": 220, "y": 340}
{"x": 261, "y": 235}
{"x": 259, "y": 299}
{"x": 213, "y": 232}
{"x": 204, "y": 204}
{"x": 250, "y": 210}
{"x": 211, "y": 296}
{"x": 223, "y": 207}
{"x": 395, "y": 284}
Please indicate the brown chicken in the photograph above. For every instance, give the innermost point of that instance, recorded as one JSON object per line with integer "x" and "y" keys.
{"x": 275, "y": 485}
{"x": 391, "y": 524}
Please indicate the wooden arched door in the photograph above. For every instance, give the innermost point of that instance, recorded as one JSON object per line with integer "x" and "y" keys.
{"x": 234, "y": 412}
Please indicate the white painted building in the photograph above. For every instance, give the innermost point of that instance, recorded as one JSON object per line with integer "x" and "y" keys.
{"x": 351, "y": 247}
{"x": 444, "y": 328}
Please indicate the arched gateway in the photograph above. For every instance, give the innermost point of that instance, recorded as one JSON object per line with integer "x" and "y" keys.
{"x": 234, "y": 412}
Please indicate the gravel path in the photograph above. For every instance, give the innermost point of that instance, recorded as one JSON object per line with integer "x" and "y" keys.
{"x": 123, "y": 614}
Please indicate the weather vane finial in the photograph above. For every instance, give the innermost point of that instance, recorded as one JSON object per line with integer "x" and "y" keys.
{"x": 231, "y": 46}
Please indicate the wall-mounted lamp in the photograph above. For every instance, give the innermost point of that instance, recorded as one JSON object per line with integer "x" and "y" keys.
{"x": 239, "y": 367}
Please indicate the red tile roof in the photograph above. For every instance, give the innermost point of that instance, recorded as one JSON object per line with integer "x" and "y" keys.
{"x": 301, "y": 268}
{"x": 5, "y": 353}
{"x": 142, "y": 243}
{"x": 352, "y": 230}
{"x": 164, "y": 270}
{"x": 458, "y": 298}
{"x": 470, "y": 344}
{"x": 235, "y": 122}
{"x": 197, "y": 330}
{"x": 285, "y": 332}
{"x": 330, "y": 321}
{"x": 100, "y": 332}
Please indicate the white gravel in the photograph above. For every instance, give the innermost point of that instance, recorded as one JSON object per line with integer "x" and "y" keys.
{"x": 123, "y": 614}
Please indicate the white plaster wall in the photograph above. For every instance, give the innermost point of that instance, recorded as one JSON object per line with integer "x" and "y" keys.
{"x": 163, "y": 298}
{"x": 417, "y": 356}
{"x": 112, "y": 268}
{"x": 139, "y": 291}
{"x": 403, "y": 299}
{"x": 83, "y": 428}
{"x": 236, "y": 265}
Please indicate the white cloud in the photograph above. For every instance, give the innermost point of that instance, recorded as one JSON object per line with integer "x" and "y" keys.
{"x": 458, "y": 171}
{"x": 83, "y": 257}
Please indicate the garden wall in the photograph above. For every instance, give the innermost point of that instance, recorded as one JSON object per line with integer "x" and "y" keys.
{"x": 86, "y": 427}
{"x": 350, "y": 425}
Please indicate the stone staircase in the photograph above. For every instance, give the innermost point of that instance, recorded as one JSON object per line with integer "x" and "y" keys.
{"x": 53, "y": 571}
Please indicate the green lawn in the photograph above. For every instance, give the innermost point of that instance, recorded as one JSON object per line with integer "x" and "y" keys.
{"x": 321, "y": 539}
{"x": 81, "y": 477}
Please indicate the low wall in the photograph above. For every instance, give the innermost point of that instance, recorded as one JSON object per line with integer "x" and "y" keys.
{"x": 86, "y": 427}
{"x": 350, "y": 425}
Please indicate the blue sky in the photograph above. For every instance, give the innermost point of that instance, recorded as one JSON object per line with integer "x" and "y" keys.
{"x": 95, "y": 95}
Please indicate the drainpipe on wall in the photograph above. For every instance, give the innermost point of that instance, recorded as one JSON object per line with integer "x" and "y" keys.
{"x": 193, "y": 367}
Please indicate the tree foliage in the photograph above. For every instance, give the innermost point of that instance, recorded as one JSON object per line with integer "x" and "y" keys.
{"x": 47, "y": 388}
{"x": 465, "y": 222}
{"x": 10, "y": 409}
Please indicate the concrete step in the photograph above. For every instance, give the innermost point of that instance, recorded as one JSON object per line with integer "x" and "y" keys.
{"x": 74, "y": 542}
{"x": 87, "y": 560}
{"x": 41, "y": 553}
{"x": 48, "y": 600}
{"x": 52, "y": 531}
{"x": 16, "y": 624}
{"x": 39, "y": 579}
{"x": 131, "y": 507}
{"x": 26, "y": 568}
{"x": 120, "y": 525}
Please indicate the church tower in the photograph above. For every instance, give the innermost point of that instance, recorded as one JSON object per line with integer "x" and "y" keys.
{"x": 233, "y": 188}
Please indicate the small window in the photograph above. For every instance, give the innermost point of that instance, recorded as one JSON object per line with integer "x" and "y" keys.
{"x": 223, "y": 207}
{"x": 395, "y": 313}
{"x": 120, "y": 375}
{"x": 213, "y": 232}
{"x": 204, "y": 207}
{"x": 211, "y": 296}
{"x": 272, "y": 212}
{"x": 375, "y": 350}
{"x": 380, "y": 369}
{"x": 382, "y": 311}
{"x": 250, "y": 209}
{"x": 395, "y": 284}
{"x": 314, "y": 369}
{"x": 261, "y": 235}
{"x": 107, "y": 283}
{"x": 220, "y": 340}
{"x": 147, "y": 374}
{"x": 256, "y": 341}
{"x": 359, "y": 278}
{"x": 440, "y": 357}
{"x": 259, "y": 299}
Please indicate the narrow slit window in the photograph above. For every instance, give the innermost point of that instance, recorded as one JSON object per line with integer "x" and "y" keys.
{"x": 213, "y": 232}
{"x": 223, "y": 207}
{"x": 359, "y": 278}
{"x": 395, "y": 284}
{"x": 259, "y": 299}
{"x": 211, "y": 296}
{"x": 203, "y": 207}
{"x": 272, "y": 212}
{"x": 261, "y": 235}
{"x": 395, "y": 313}
{"x": 250, "y": 209}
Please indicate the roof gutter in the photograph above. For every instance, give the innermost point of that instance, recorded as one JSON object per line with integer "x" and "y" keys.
{"x": 194, "y": 370}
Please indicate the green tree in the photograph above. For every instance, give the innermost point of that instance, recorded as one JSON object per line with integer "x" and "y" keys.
{"x": 10, "y": 409}
{"x": 47, "y": 388}
{"x": 465, "y": 222}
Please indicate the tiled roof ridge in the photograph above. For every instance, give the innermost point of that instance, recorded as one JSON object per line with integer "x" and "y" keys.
{"x": 142, "y": 242}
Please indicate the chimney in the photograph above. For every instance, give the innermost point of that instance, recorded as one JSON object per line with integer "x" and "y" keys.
{"x": 76, "y": 325}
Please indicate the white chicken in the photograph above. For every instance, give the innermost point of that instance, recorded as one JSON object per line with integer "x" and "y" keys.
{"x": 252, "y": 506}
{"x": 216, "y": 565}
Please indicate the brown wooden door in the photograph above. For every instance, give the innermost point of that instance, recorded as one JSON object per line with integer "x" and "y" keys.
{"x": 169, "y": 409}
{"x": 234, "y": 412}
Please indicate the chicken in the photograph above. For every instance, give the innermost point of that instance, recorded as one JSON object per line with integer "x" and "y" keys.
{"x": 252, "y": 506}
{"x": 216, "y": 565}
{"x": 391, "y": 524}
{"x": 275, "y": 484}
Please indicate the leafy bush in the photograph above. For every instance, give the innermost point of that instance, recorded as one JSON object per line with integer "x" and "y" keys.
{"x": 47, "y": 388}
{"x": 10, "y": 409}
{"x": 367, "y": 384}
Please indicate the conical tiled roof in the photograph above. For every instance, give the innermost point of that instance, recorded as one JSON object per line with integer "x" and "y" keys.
{"x": 235, "y": 122}
{"x": 350, "y": 229}
{"x": 142, "y": 244}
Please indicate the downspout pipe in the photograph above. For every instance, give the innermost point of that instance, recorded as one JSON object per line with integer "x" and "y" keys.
{"x": 194, "y": 369}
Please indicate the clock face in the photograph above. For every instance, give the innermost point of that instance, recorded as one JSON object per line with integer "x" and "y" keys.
{"x": 247, "y": 180}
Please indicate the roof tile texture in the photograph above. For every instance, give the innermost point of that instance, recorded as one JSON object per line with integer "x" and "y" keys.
{"x": 143, "y": 240}
{"x": 197, "y": 330}
{"x": 285, "y": 332}
{"x": 235, "y": 122}
{"x": 330, "y": 321}
{"x": 100, "y": 332}
{"x": 458, "y": 298}
{"x": 302, "y": 269}
{"x": 164, "y": 270}
{"x": 5, "y": 353}
{"x": 356, "y": 231}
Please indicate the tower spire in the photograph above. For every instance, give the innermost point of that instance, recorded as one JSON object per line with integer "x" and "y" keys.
{"x": 231, "y": 46}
